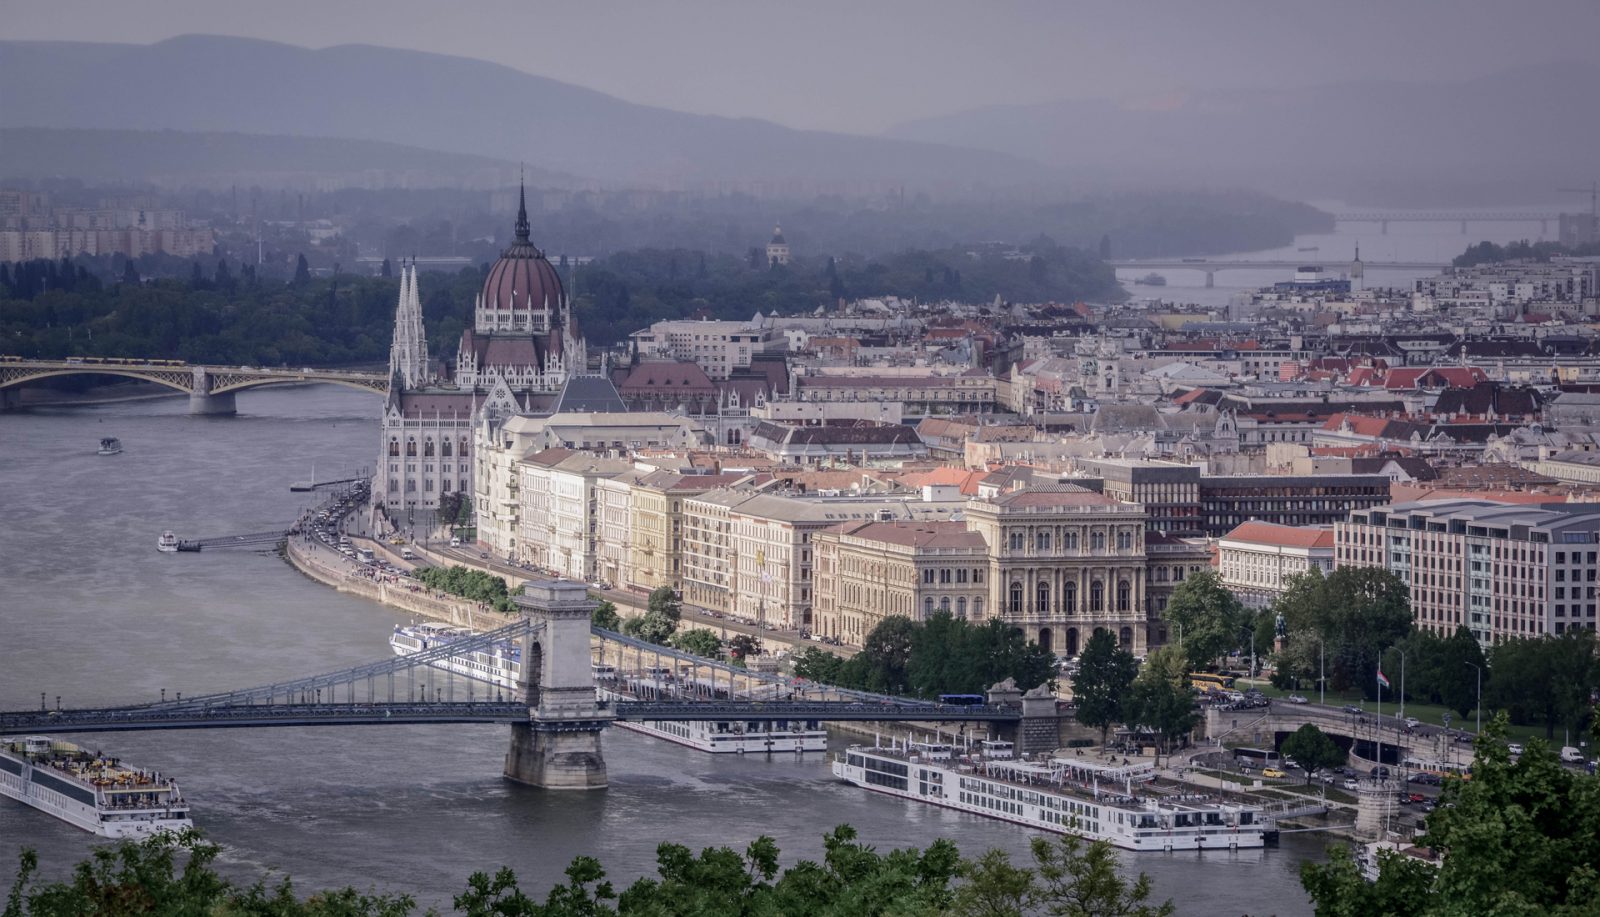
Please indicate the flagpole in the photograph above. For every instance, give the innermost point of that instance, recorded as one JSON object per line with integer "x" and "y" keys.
{"x": 1379, "y": 724}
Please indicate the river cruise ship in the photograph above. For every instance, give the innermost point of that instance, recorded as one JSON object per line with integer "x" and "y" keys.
{"x": 1097, "y": 801}
{"x": 753, "y": 737}
{"x": 501, "y": 666}
{"x": 90, "y": 791}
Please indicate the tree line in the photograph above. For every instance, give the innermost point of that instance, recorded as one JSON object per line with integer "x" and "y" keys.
{"x": 942, "y": 655}
{"x": 469, "y": 584}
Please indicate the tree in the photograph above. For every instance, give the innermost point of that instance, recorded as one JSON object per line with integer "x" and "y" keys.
{"x": 742, "y": 647}
{"x": 1105, "y": 672}
{"x": 1313, "y": 750}
{"x": 1160, "y": 699}
{"x": 699, "y": 641}
{"x": 605, "y": 616}
{"x": 1209, "y": 618}
{"x": 818, "y": 665}
{"x": 1519, "y": 838}
{"x": 1454, "y": 680}
{"x": 650, "y": 627}
{"x": 302, "y": 271}
{"x": 885, "y": 654}
{"x": 664, "y": 601}
{"x": 1079, "y": 878}
{"x": 1105, "y": 247}
{"x": 1355, "y": 612}
{"x": 464, "y": 512}
{"x": 130, "y": 273}
{"x": 1545, "y": 681}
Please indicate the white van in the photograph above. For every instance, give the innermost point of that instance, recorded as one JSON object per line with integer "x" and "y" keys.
{"x": 1570, "y": 755}
{"x": 406, "y": 554}
{"x": 455, "y": 542}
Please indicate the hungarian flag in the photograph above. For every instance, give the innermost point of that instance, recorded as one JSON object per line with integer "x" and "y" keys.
{"x": 1381, "y": 680}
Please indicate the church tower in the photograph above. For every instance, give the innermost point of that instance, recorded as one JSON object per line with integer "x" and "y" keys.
{"x": 408, "y": 354}
{"x": 777, "y": 249}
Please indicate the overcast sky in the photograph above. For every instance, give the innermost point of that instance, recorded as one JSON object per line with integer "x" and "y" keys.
{"x": 862, "y": 66}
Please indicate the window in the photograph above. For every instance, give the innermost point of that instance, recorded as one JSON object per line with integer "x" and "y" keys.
{"x": 977, "y": 608}
{"x": 411, "y": 448}
{"x": 427, "y": 448}
{"x": 1016, "y": 541}
{"x": 1124, "y": 540}
{"x": 1041, "y": 541}
{"x": 394, "y": 448}
{"x": 1069, "y": 597}
{"x": 1044, "y": 598}
{"x": 1069, "y": 540}
{"x": 944, "y": 604}
{"x": 961, "y": 608}
{"x": 927, "y": 606}
{"x": 1123, "y": 591}
{"x": 1097, "y": 596}
{"x": 1097, "y": 541}
{"x": 1016, "y": 598}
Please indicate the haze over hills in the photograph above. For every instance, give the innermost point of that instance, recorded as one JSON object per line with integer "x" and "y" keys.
{"x": 1508, "y": 139}
{"x": 217, "y": 159}
{"x": 204, "y": 83}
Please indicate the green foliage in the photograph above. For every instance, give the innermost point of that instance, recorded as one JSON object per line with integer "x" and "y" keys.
{"x": 1437, "y": 669}
{"x": 1490, "y": 253}
{"x": 664, "y": 602}
{"x": 1068, "y": 876}
{"x": 699, "y": 641}
{"x": 605, "y": 616}
{"x": 1105, "y": 673}
{"x": 650, "y": 627}
{"x": 627, "y": 291}
{"x": 942, "y": 655}
{"x": 1160, "y": 699}
{"x": 1312, "y": 749}
{"x": 1356, "y": 611}
{"x": 1545, "y": 681}
{"x": 1518, "y": 838}
{"x": 818, "y": 665}
{"x": 469, "y": 584}
{"x": 1208, "y": 615}
{"x": 742, "y": 647}
{"x": 464, "y": 510}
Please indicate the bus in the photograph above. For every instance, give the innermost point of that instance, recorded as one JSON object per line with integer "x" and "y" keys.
{"x": 1257, "y": 757}
{"x": 963, "y": 700}
{"x": 365, "y": 555}
{"x": 1206, "y": 680}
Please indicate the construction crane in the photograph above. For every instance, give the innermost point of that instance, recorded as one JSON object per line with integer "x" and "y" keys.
{"x": 1594, "y": 197}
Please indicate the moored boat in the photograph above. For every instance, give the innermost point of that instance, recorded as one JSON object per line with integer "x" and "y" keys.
{"x": 89, "y": 790}
{"x": 110, "y": 445}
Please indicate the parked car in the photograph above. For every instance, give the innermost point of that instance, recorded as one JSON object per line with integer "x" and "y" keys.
{"x": 1296, "y": 699}
{"x": 1380, "y": 772}
{"x": 1412, "y": 722}
{"x": 1273, "y": 772}
{"x": 1351, "y": 785}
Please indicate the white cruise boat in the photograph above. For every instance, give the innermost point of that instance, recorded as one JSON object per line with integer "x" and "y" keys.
{"x": 110, "y": 445}
{"x": 167, "y": 543}
{"x": 502, "y": 667}
{"x": 89, "y": 791}
{"x": 1101, "y": 802}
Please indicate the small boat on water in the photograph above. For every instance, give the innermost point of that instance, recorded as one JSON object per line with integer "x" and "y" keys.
{"x": 110, "y": 445}
{"x": 169, "y": 543}
{"x": 1308, "y": 248}
{"x": 1152, "y": 279}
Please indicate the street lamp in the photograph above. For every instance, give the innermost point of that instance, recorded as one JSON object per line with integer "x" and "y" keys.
{"x": 1479, "y": 670}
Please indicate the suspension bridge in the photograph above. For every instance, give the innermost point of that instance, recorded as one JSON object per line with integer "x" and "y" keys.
{"x": 554, "y": 711}
{"x": 210, "y": 389}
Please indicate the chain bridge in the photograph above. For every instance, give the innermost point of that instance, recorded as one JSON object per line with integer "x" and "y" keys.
{"x": 210, "y": 388}
{"x": 553, "y": 706}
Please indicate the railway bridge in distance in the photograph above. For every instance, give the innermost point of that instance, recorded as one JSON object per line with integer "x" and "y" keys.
{"x": 555, "y": 714}
{"x": 210, "y": 389}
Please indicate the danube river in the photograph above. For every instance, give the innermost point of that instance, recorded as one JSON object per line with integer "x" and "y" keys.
{"x": 91, "y": 612}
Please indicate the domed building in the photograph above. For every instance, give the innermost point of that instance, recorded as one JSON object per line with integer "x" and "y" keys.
{"x": 518, "y": 355}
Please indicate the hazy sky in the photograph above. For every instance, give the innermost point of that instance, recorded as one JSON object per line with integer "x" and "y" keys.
{"x": 862, "y": 66}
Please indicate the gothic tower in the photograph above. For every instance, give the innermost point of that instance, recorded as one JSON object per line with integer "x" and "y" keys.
{"x": 408, "y": 354}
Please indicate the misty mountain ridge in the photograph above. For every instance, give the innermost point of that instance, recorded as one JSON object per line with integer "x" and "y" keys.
{"x": 1511, "y": 138}
{"x": 216, "y": 84}
{"x": 218, "y": 159}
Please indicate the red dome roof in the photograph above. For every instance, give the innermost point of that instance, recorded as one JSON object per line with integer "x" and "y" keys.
{"x": 522, "y": 275}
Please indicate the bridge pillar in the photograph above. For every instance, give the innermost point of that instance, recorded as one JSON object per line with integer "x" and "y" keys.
{"x": 1375, "y": 807}
{"x": 1211, "y": 279}
{"x": 206, "y": 404}
{"x": 559, "y": 747}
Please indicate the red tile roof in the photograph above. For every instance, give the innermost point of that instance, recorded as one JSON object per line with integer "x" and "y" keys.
{"x": 1286, "y": 536}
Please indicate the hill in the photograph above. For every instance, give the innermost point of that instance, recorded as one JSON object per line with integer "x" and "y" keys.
{"x": 207, "y": 84}
{"x": 214, "y": 159}
{"x": 1507, "y": 139}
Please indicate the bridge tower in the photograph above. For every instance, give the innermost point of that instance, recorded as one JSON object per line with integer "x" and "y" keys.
{"x": 202, "y": 401}
{"x": 559, "y": 747}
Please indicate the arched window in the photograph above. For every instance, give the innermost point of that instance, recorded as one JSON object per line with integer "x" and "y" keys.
{"x": 1044, "y": 598}
{"x": 1041, "y": 541}
{"x": 1124, "y": 540}
{"x": 394, "y": 448}
{"x": 1097, "y": 541}
{"x": 927, "y": 606}
{"x": 1016, "y": 598}
{"x": 444, "y": 448}
{"x": 1069, "y": 540}
{"x": 961, "y": 608}
{"x": 944, "y": 604}
{"x": 1123, "y": 591}
{"x": 1069, "y": 597}
{"x": 1046, "y": 639}
{"x": 1016, "y": 541}
{"x": 427, "y": 448}
{"x": 1097, "y": 596}
{"x": 977, "y": 609}
{"x": 411, "y": 447}
{"x": 1127, "y": 637}
{"x": 464, "y": 450}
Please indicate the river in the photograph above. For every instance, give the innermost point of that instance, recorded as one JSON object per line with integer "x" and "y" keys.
{"x": 91, "y": 612}
{"x": 1437, "y": 242}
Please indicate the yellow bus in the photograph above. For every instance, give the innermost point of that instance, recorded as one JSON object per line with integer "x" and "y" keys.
{"x": 1207, "y": 680}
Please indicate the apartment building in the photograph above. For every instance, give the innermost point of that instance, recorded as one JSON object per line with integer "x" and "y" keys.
{"x": 1168, "y": 491}
{"x": 1503, "y": 570}
{"x": 718, "y": 347}
{"x": 867, "y": 571}
{"x": 750, "y": 554}
{"x": 1226, "y": 501}
{"x": 559, "y": 517}
{"x": 656, "y": 526}
{"x": 1256, "y": 558}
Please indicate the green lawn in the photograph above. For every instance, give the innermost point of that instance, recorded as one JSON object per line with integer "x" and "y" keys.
{"x": 1432, "y": 714}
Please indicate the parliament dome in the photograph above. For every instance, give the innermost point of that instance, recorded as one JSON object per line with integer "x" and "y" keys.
{"x": 523, "y": 279}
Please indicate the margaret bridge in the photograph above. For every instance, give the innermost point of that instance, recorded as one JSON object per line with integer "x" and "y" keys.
{"x": 555, "y": 713}
{"x": 210, "y": 388}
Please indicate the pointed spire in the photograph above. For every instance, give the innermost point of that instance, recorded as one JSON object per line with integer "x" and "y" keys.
{"x": 522, "y": 208}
